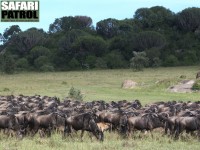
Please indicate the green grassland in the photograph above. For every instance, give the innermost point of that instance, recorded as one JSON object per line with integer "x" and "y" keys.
{"x": 101, "y": 85}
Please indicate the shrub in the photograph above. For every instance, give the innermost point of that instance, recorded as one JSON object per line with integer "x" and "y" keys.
{"x": 75, "y": 94}
{"x": 90, "y": 60}
{"x": 8, "y": 64}
{"x": 41, "y": 61}
{"x": 100, "y": 63}
{"x": 47, "y": 68}
{"x": 115, "y": 59}
{"x": 196, "y": 85}
{"x": 74, "y": 64}
{"x": 22, "y": 64}
{"x": 139, "y": 61}
{"x": 171, "y": 61}
{"x": 36, "y": 52}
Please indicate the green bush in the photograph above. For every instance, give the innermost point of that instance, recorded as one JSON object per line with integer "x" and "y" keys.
{"x": 47, "y": 68}
{"x": 190, "y": 58}
{"x": 90, "y": 60}
{"x": 22, "y": 64}
{"x": 100, "y": 63}
{"x": 171, "y": 61}
{"x": 139, "y": 61}
{"x": 41, "y": 61}
{"x": 74, "y": 64}
{"x": 196, "y": 85}
{"x": 75, "y": 94}
{"x": 8, "y": 64}
{"x": 38, "y": 51}
{"x": 115, "y": 59}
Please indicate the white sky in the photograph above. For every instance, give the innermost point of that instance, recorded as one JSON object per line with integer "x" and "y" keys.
{"x": 96, "y": 9}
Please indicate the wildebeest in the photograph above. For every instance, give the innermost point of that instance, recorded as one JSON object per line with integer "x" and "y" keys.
{"x": 144, "y": 122}
{"x": 9, "y": 122}
{"x": 46, "y": 122}
{"x": 28, "y": 115}
{"x": 83, "y": 122}
{"x": 112, "y": 117}
{"x": 189, "y": 124}
{"x": 103, "y": 126}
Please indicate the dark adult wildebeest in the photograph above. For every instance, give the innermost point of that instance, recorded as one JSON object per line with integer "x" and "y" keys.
{"x": 146, "y": 122}
{"x": 9, "y": 122}
{"x": 45, "y": 122}
{"x": 112, "y": 117}
{"x": 170, "y": 125}
{"x": 83, "y": 122}
{"x": 189, "y": 124}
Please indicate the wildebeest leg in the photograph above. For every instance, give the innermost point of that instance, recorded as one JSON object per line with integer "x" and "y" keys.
{"x": 35, "y": 130}
{"x": 130, "y": 131}
{"x": 111, "y": 128}
{"x": 82, "y": 132}
{"x": 41, "y": 133}
{"x": 151, "y": 133}
{"x": 198, "y": 133}
{"x": 90, "y": 135}
{"x": 172, "y": 130}
{"x": 176, "y": 130}
{"x": 49, "y": 132}
{"x": 166, "y": 127}
{"x": 67, "y": 131}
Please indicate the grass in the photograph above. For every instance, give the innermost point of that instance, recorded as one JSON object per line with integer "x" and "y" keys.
{"x": 98, "y": 85}
{"x": 102, "y": 84}
{"x": 112, "y": 141}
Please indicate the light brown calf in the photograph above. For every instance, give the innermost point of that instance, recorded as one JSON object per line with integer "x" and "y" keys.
{"x": 103, "y": 126}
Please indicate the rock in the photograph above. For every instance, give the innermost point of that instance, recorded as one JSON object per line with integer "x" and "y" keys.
{"x": 184, "y": 86}
{"x": 129, "y": 84}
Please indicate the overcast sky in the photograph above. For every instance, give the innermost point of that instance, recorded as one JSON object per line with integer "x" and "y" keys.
{"x": 96, "y": 9}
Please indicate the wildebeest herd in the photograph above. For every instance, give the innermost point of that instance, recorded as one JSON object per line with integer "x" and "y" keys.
{"x": 23, "y": 116}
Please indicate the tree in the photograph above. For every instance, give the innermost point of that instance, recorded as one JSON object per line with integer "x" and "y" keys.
{"x": 8, "y": 64}
{"x": 148, "y": 39}
{"x": 188, "y": 19}
{"x": 37, "y": 52}
{"x": 139, "y": 61}
{"x": 69, "y": 23}
{"x": 23, "y": 42}
{"x": 144, "y": 15}
{"x": 153, "y": 55}
{"x": 64, "y": 51}
{"x": 154, "y": 17}
{"x": 89, "y": 45}
{"x": 108, "y": 28}
{"x": 12, "y": 30}
{"x": 124, "y": 44}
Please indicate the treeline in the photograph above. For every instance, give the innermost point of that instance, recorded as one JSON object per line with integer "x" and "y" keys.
{"x": 73, "y": 43}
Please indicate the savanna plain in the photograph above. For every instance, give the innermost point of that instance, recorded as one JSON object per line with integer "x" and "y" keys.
{"x": 153, "y": 85}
